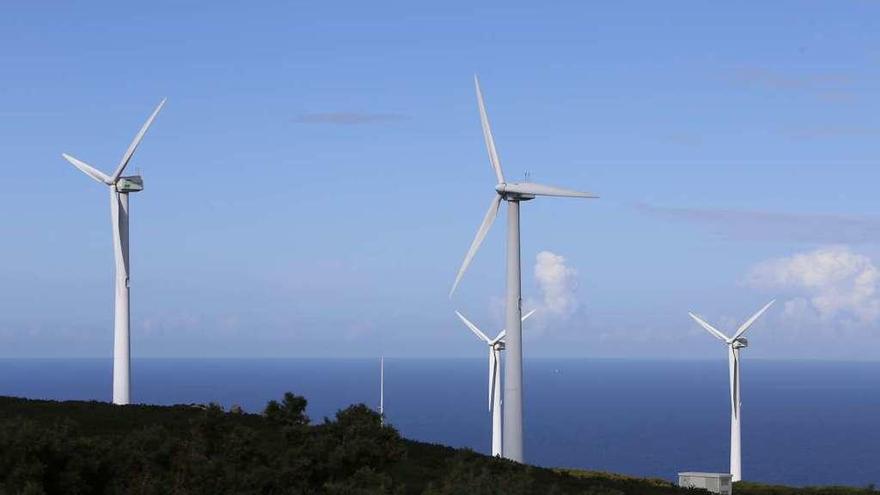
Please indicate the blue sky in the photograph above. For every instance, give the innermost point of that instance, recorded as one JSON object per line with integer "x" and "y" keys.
{"x": 319, "y": 171}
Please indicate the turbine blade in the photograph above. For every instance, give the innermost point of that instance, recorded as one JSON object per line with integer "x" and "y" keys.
{"x": 737, "y": 392}
{"x": 478, "y": 239}
{"x": 745, "y": 326}
{"x": 526, "y": 316}
{"x": 474, "y": 328}
{"x": 709, "y": 328}
{"x": 87, "y": 169}
{"x": 487, "y": 134}
{"x": 491, "y": 376}
{"x": 731, "y": 360}
{"x": 534, "y": 189}
{"x": 137, "y": 141}
{"x": 120, "y": 251}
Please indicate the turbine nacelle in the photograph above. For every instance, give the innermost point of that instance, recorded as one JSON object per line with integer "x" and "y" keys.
{"x": 517, "y": 191}
{"x": 509, "y": 192}
{"x": 740, "y": 343}
{"x": 130, "y": 184}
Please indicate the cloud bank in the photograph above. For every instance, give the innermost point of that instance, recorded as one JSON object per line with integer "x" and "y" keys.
{"x": 348, "y": 118}
{"x": 775, "y": 226}
{"x": 770, "y": 78}
{"x": 829, "y": 283}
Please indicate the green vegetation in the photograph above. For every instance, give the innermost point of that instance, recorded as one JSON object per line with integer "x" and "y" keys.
{"x": 758, "y": 489}
{"x": 96, "y": 448}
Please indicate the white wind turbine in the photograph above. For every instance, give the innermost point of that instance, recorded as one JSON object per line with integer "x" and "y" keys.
{"x": 734, "y": 344}
{"x": 120, "y": 187}
{"x": 513, "y": 193}
{"x": 382, "y": 389}
{"x": 496, "y": 345}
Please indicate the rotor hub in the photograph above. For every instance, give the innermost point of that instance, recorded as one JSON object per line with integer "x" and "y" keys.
{"x": 740, "y": 343}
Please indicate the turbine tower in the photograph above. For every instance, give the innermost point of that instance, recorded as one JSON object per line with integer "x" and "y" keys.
{"x": 120, "y": 187}
{"x": 513, "y": 193}
{"x": 382, "y": 390}
{"x": 734, "y": 345}
{"x": 496, "y": 345}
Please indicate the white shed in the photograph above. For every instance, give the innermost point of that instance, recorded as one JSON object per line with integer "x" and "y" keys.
{"x": 714, "y": 482}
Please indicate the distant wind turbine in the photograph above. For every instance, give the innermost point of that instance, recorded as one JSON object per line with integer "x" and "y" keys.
{"x": 513, "y": 193}
{"x": 120, "y": 187}
{"x": 496, "y": 345}
{"x": 734, "y": 344}
{"x": 382, "y": 389}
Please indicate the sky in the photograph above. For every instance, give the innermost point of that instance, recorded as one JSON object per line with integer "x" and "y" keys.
{"x": 319, "y": 171}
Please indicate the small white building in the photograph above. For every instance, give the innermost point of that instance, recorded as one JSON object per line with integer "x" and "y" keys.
{"x": 714, "y": 482}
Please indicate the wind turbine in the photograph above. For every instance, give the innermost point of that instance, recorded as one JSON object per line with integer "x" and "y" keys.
{"x": 734, "y": 344}
{"x": 120, "y": 187}
{"x": 382, "y": 389}
{"x": 496, "y": 345}
{"x": 513, "y": 193}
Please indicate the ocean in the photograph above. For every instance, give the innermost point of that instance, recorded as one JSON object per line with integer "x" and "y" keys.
{"x": 804, "y": 422}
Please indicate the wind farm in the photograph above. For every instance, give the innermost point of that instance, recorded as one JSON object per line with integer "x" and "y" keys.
{"x": 314, "y": 298}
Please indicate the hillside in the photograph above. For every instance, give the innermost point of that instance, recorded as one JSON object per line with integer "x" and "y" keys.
{"x": 91, "y": 447}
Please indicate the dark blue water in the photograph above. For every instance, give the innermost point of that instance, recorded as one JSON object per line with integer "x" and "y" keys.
{"x": 803, "y": 422}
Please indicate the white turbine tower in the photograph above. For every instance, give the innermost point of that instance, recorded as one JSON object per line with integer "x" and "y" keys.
{"x": 496, "y": 345}
{"x": 734, "y": 344}
{"x": 382, "y": 389}
{"x": 513, "y": 193}
{"x": 120, "y": 187}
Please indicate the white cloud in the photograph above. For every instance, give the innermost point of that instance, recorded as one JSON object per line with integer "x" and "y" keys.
{"x": 558, "y": 286}
{"x": 828, "y": 283}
